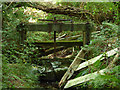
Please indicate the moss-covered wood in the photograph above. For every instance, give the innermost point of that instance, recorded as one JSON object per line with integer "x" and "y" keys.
{"x": 58, "y": 27}
{"x": 87, "y": 34}
{"x": 59, "y": 43}
{"x": 55, "y": 27}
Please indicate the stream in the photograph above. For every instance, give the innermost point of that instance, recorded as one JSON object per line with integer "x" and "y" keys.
{"x": 50, "y": 73}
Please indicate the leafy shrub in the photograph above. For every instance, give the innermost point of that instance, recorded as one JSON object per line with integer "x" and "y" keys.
{"x": 18, "y": 75}
{"x": 110, "y": 80}
{"x": 15, "y": 57}
{"x": 107, "y": 81}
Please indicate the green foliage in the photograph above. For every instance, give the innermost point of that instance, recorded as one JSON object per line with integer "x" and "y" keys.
{"x": 39, "y": 36}
{"x": 107, "y": 81}
{"x": 104, "y": 7}
{"x": 17, "y": 75}
{"x": 83, "y": 72}
{"x": 16, "y": 70}
{"x": 109, "y": 29}
{"x": 97, "y": 46}
{"x": 101, "y": 11}
{"x": 100, "y": 41}
{"x": 17, "y": 59}
{"x": 110, "y": 80}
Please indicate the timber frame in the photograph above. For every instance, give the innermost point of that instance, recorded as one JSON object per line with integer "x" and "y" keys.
{"x": 56, "y": 26}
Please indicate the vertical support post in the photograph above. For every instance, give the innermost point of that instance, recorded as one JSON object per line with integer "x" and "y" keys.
{"x": 55, "y": 21}
{"x": 22, "y": 33}
{"x": 54, "y": 44}
{"x": 23, "y": 36}
{"x": 87, "y": 34}
{"x": 119, "y": 25}
{"x": 84, "y": 39}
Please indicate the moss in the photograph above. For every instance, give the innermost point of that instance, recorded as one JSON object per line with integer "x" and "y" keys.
{"x": 59, "y": 41}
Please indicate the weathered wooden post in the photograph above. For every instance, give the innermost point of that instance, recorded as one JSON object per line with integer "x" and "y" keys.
{"x": 54, "y": 37}
{"x": 22, "y": 31}
{"x": 54, "y": 44}
{"x": 87, "y": 34}
{"x": 23, "y": 36}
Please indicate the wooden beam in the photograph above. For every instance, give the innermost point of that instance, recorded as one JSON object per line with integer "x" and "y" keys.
{"x": 59, "y": 43}
{"x": 87, "y": 34}
{"x": 52, "y": 51}
{"x": 72, "y": 67}
{"x": 55, "y": 27}
{"x": 93, "y": 60}
{"x": 84, "y": 78}
{"x": 68, "y": 38}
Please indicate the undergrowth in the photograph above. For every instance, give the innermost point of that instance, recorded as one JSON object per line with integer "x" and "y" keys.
{"x": 102, "y": 42}
{"x": 108, "y": 81}
{"x": 17, "y": 59}
{"x": 18, "y": 75}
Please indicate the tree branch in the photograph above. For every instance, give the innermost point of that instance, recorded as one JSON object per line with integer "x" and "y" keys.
{"x": 51, "y": 8}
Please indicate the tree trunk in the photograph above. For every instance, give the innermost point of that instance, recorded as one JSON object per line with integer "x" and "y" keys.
{"x": 51, "y": 8}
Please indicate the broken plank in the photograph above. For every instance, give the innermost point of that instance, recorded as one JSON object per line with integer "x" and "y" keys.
{"x": 84, "y": 78}
{"x": 52, "y": 51}
{"x": 68, "y": 38}
{"x": 72, "y": 67}
{"x": 115, "y": 59}
{"x": 91, "y": 76}
{"x": 93, "y": 60}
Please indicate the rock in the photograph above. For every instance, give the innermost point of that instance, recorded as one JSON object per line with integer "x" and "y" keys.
{"x": 50, "y": 71}
{"x": 53, "y": 76}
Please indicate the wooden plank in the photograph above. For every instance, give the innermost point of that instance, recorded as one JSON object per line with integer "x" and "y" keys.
{"x": 93, "y": 60}
{"x": 52, "y": 51}
{"x": 59, "y": 43}
{"x": 91, "y": 75}
{"x": 84, "y": 78}
{"x": 55, "y": 27}
{"x": 37, "y": 27}
{"x": 68, "y": 38}
{"x": 72, "y": 67}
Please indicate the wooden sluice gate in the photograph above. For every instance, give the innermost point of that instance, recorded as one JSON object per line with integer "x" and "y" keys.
{"x": 56, "y": 26}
